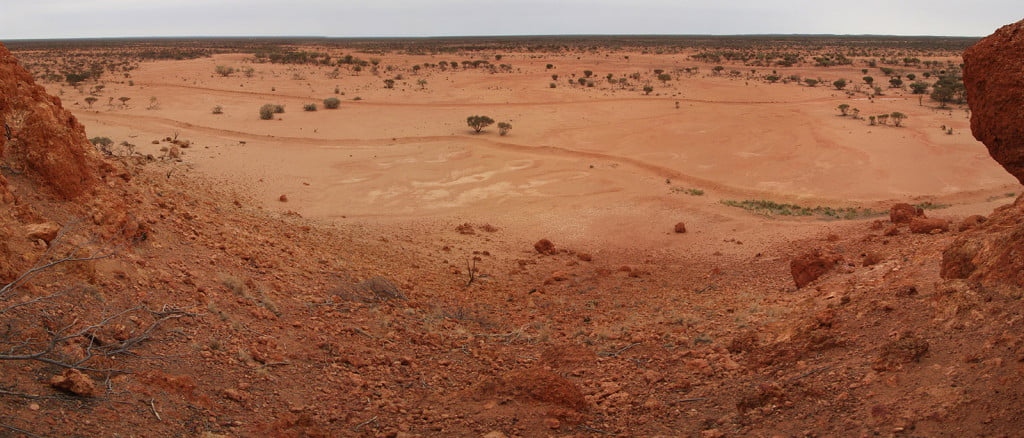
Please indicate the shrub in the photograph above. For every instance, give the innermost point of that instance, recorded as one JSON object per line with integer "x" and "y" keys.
{"x": 332, "y": 103}
{"x": 309, "y": 107}
{"x": 648, "y": 89}
{"x": 664, "y": 77}
{"x": 278, "y": 109}
{"x": 267, "y": 111}
{"x": 104, "y": 142}
{"x": 839, "y": 84}
{"x": 218, "y": 109}
{"x": 224, "y": 70}
{"x": 844, "y": 108}
{"x": 897, "y": 118}
{"x": 478, "y": 123}
{"x": 811, "y": 82}
{"x": 504, "y": 128}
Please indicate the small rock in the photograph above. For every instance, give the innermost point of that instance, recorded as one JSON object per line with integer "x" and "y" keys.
{"x": 283, "y": 198}
{"x": 680, "y": 228}
{"x": 75, "y": 382}
{"x": 928, "y": 226}
{"x": 585, "y": 256}
{"x": 971, "y": 222}
{"x": 809, "y": 266}
{"x": 45, "y": 231}
{"x": 552, "y": 423}
{"x": 495, "y": 434}
{"x": 544, "y": 246}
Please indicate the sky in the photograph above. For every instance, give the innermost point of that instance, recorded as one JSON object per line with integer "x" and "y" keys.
{"x": 31, "y": 19}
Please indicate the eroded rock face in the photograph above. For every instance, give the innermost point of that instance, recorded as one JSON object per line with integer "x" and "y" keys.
{"x": 993, "y": 252}
{"x": 994, "y": 77}
{"x": 42, "y": 138}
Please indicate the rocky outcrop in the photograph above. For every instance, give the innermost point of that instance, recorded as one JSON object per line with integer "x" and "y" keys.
{"x": 42, "y": 138}
{"x": 903, "y": 213}
{"x": 994, "y": 78}
{"x": 991, "y": 252}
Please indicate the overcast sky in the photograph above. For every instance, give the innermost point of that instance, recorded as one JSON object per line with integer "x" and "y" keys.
{"x": 23, "y": 19}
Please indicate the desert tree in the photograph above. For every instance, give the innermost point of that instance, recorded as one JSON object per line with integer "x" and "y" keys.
{"x": 478, "y": 123}
{"x": 811, "y": 82}
{"x": 664, "y": 77}
{"x": 648, "y": 89}
{"x": 389, "y": 83}
{"x": 772, "y": 78}
{"x": 871, "y": 120}
{"x": 124, "y": 100}
{"x": 839, "y": 83}
{"x": 504, "y": 128}
{"x": 883, "y": 119}
{"x": 718, "y": 69}
{"x": 895, "y": 82}
{"x": 90, "y": 100}
{"x": 587, "y": 73}
{"x": 422, "y": 83}
{"x": 844, "y": 109}
{"x": 919, "y": 87}
{"x": 897, "y": 118}
{"x": 856, "y": 113}
{"x": 948, "y": 89}
{"x": 868, "y": 80}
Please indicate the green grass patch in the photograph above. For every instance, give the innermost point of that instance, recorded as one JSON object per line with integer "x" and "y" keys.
{"x": 931, "y": 206}
{"x": 771, "y": 208}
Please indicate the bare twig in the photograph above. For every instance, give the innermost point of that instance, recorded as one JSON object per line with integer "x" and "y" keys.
{"x": 18, "y": 430}
{"x": 472, "y": 271}
{"x": 689, "y": 400}
{"x": 617, "y": 352}
{"x": 152, "y": 405}
{"x": 360, "y": 425}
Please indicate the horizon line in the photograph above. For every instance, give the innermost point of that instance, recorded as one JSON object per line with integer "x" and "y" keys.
{"x": 426, "y": 37}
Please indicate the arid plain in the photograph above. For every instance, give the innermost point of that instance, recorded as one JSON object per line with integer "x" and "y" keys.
{"x": 622, "y": 261}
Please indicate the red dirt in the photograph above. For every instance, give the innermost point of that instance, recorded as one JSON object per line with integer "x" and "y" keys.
{"x": 303, "y": 327}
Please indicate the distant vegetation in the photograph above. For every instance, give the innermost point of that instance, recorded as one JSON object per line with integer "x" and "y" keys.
{"x": 770, "y": 208}
{"x": 478, "y": 123}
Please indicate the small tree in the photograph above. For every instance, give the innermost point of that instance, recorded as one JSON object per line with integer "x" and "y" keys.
{"x": 422, "y": 83}
{"x": 332, "y": 103}
{"x": 648, "y": 89}
{"x": 389, "y": 83}
{"x": 664, "y": 77}
{"x": 90, "y": 100}
{"x": 839, "y": 84}
{"x": 868, "y": 80}
{"x": 587, "y": 73}
{"x": 478, "y": 123}
{"x": 897, "y": 118}
{"x": 871, "y": 120}
{"x": 844, "y": 108}
{"x": 124, "y": 100}
{"x": 811, "y": 82}
{"x": 856, "y": 113}
{"x": 883, "y": 119}
{"x": 895, "y": 82}
{"x": 919, "y": 87}
{"x": 309, "y": 107}
{"x": 948, "y": 89}
{"x": 772, "y": 78}
{"x": 504, "y": 128}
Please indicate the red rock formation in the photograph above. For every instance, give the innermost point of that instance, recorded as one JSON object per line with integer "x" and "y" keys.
{"x": 808, "y": 267}
{"x": 41, "y": 137}
{"x": 994, "y": 77}
{"x": 992, "y": 253}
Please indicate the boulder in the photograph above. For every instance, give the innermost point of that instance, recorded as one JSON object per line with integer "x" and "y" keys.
{"x": 994, "y": 78}
{"x": 809, "y": 266}
{"x": 903, "y": 213}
